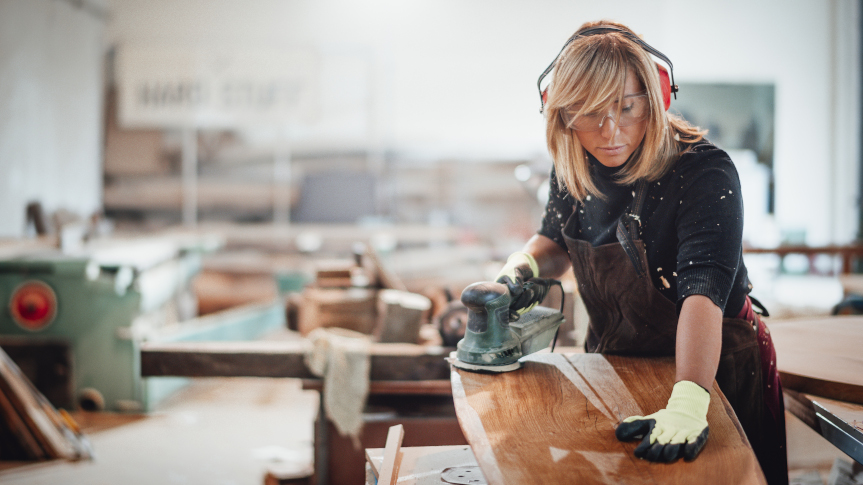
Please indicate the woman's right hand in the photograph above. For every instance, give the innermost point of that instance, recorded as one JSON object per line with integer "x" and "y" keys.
{"x": 519, "y": 267}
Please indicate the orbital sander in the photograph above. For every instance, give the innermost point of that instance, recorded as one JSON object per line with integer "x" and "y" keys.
{"x": 497, "y": 334}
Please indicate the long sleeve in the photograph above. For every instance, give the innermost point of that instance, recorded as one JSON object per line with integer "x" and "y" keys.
{"x": 557, "y": 212}
{"x": 709, "y": 230}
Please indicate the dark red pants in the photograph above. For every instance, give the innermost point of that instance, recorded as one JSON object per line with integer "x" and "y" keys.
{"x": 770, "y": 448}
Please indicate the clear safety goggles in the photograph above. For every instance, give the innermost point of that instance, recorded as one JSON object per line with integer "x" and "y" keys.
{"x": 635, "y": 108}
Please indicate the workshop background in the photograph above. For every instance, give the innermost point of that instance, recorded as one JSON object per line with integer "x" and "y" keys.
{"x": 191, "y": 170}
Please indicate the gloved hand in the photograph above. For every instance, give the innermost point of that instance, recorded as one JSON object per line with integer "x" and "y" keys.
{"x": 678, "y": 430}
{"x": 519, "y": 267}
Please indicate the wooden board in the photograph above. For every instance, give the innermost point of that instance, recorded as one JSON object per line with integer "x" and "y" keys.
{"x": 283, "y": 358}
{"x": 389, "y": 473}
{"x": 553, "y": 422}
{"x": 422, "y": 465}
{"x": 16, "y": 426}
{"x": 27, "y": 411}
{"x": 15, "y": 386}
{"x": 821, "y": 356}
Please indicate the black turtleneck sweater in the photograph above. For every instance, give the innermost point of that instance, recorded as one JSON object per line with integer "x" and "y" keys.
{"x": 691, "y": 225}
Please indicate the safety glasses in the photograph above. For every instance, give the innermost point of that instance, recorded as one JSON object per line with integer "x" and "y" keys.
{"x": 636, "y": 107}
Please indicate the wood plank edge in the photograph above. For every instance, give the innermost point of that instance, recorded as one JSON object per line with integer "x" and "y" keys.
{"x": 389, "y": 469}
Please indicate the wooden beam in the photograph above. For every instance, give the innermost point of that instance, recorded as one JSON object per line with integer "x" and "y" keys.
{"x": 263, "y": 358}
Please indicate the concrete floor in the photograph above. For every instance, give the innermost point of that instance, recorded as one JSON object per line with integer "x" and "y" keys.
{"x": 225, "y": 431}
{"x": 230, "y": 431}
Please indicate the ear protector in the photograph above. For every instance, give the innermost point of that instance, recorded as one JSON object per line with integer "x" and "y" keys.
{"x": 665, "y": 82}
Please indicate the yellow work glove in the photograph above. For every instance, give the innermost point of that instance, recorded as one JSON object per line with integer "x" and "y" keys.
{"x": 678, "y": 430}
{"x": 519, "y": 268}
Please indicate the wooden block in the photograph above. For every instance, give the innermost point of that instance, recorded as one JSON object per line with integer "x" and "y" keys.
{"x": 553, "y": 421}
{"x": 390, "y": 467}
{"x": 353, "y": 309}
{"x": 401, "y": 314}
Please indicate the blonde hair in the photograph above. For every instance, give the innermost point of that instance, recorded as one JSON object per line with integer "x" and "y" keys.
{"x": 592, "y": 70}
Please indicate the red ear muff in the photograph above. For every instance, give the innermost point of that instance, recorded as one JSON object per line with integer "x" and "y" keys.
{"x": 665, "y": 84}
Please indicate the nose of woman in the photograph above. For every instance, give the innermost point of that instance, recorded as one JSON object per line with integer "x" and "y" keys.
{"x": 608, "y": 127}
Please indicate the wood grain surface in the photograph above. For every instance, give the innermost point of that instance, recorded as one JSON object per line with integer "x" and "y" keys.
{"x": 821, "y": 356}
{"x": 553, "y": 422}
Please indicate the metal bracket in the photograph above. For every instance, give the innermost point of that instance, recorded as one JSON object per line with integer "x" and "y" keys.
{"x": 463, "y": 475}
{"x": 841, "y": 434}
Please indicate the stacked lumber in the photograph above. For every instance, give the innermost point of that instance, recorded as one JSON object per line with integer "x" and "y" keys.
{"x": 30, "y": 427}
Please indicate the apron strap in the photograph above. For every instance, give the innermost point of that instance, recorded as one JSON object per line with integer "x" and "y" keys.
{"x": 628, "y": 225}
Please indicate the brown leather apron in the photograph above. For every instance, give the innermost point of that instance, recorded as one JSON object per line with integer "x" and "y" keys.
{"x": 628, "y": 315}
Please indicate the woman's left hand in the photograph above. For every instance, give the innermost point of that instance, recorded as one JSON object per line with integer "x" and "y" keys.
{"x": 679, "y": 430}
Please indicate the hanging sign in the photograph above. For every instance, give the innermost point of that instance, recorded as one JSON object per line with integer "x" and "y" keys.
{"x": 215, "y": 88}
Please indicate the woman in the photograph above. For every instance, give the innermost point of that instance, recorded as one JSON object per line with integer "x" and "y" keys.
{"x": 649, "y": 215}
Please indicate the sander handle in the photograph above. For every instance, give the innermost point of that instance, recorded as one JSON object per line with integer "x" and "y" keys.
{"x": 535, "y": 291}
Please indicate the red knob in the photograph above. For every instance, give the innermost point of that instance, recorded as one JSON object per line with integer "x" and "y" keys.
{"x": 33, "y": 305}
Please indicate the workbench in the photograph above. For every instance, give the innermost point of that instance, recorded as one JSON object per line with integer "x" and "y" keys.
{"x": 820, "y": 363}
{"x": 406, "y": 369}
{"x": 553, "y": 421}
{"x": 409, "y": 385}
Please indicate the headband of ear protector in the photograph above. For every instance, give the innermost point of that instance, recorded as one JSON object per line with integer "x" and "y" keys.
{"x": 667, "y": 85}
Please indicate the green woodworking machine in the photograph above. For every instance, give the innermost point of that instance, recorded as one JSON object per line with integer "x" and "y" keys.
{"x": 74, "y": 323}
